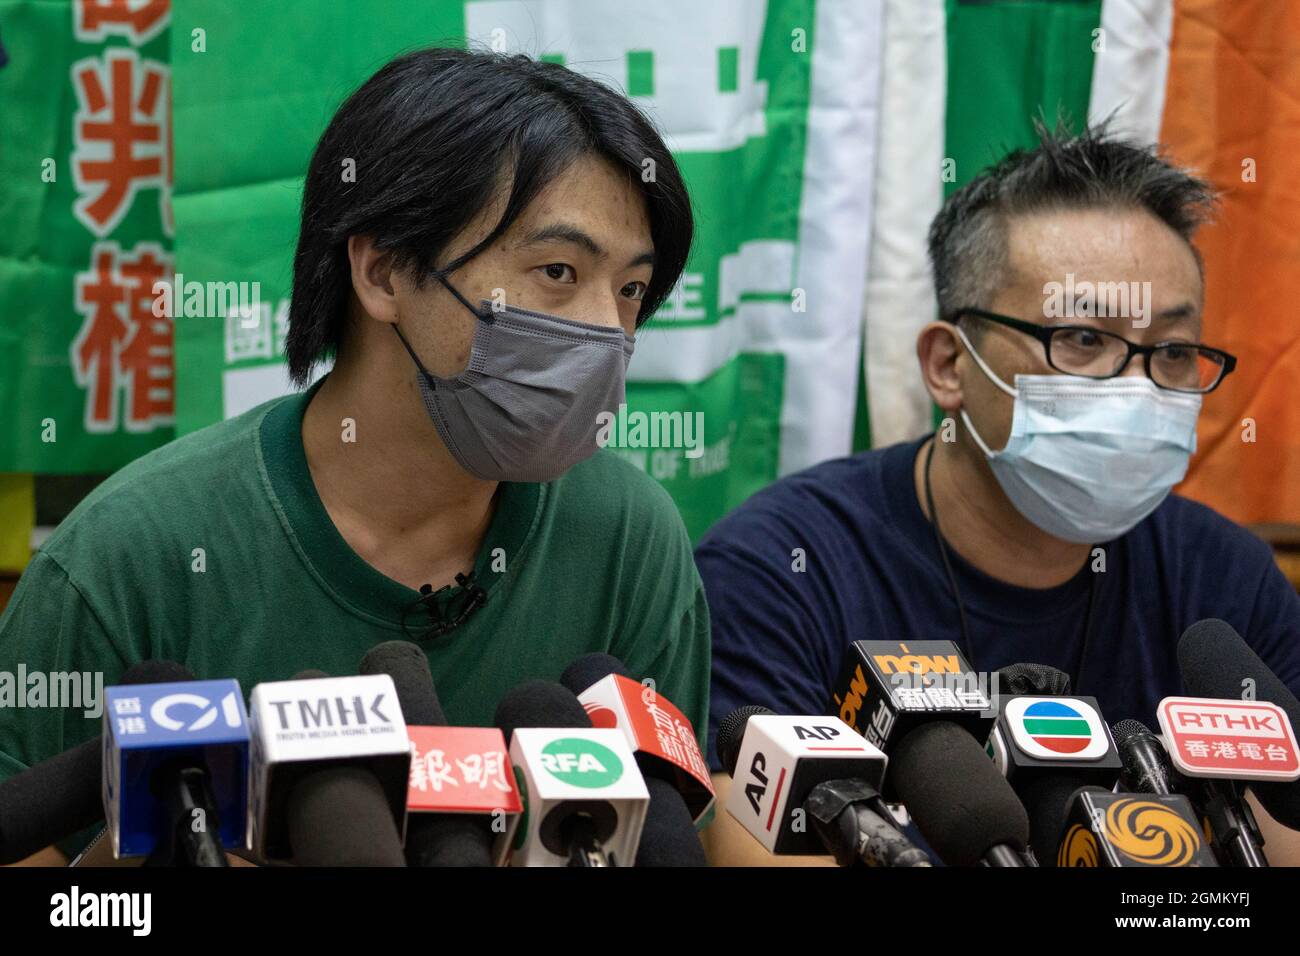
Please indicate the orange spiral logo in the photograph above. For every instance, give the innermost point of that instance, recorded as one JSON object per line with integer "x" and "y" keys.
{"x": 1151, "y": 833}
{"x": 1079, "y": 848}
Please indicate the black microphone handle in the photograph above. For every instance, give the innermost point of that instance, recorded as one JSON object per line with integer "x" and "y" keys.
{"x": 1231, "y": 820}
{"x": 880, "y": 843}
{"x": 1003, "y": 855}
{"x": 1146, "y": 768}
{"x": 184, "y": 790}
{"x": 854, "y": 825}
{"x": 585, "y": 849}
{"x": 1046, "y": 796}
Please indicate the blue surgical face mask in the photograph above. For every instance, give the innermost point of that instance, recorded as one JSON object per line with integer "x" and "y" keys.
{"x": 1089, "y": 458}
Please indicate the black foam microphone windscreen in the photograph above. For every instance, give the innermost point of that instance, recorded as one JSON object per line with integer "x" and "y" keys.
{"x": 1216, "y": 662}
{"x": 408, "y": 666}
{"x": 320, "y": 801}
{"x": 539, "y": 703}
{"x": 60, "y": 796}
{"x": 962, "y": 805}
{"x": 731, "y": 734}
{"x": 432, "y": 839}
{"x": 591, "y": 668}
{"x": 668, "y": 837}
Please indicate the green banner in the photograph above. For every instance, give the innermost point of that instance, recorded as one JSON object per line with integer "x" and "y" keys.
{"x": 767, "y": 110}
{"x": 86, "y": 370}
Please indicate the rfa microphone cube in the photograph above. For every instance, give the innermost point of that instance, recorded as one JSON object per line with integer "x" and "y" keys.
{"x": 569, "y": 773}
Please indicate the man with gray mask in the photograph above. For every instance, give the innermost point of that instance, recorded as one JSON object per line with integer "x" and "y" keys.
{"x": 478, "y": 283}
{"x": 1036, "y": 525}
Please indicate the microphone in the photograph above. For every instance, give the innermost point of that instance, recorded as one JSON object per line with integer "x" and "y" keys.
{"x": 667, "y": 754}
{"x": 789, "y": 768}
{"x": 1145, "y": 764}
{"x": 330, "y": 768}
{"x": 1105, "y": 829}
{"x": 963, "y": 807}
{"x": 458, "y": 783}
{"x": 1048, "y": 747}
{"x": 586, "y": 801}
{"x": 1216, "y": 662}
{"x": 175, "y": 781}
{"x": 1217, "y": 747}
{"x": 889, "y": 688}
{"x": 62, "y": 795}
{"x": 1227, "y": 820}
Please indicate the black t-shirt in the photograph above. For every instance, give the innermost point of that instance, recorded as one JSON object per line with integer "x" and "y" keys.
{"x": 871, "y": 571}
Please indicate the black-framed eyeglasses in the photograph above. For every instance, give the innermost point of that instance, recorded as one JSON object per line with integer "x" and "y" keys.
{"x": 1093, "y": 353}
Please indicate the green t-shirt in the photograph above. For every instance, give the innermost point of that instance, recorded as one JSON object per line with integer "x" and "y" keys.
{"x": 216, "y": 552}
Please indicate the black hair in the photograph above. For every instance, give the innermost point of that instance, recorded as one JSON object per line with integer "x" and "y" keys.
{"x": 434, "y": 136}
{"x": 1096, "y": 169}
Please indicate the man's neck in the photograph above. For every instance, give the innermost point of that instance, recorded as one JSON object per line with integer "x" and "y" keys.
{"x": 984, "y": 528}
{"x": 389, "y": 484}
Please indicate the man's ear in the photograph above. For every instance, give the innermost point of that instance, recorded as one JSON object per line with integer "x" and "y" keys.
{"x": 938, "y": 349}
{"x": 372, "y": 278}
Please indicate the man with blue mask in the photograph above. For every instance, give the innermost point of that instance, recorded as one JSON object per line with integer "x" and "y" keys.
{"x": 1037, "y": 525}
{"x": 478, "y": 250}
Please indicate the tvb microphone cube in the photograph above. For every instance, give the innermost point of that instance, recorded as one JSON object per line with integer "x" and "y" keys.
{"x": 465, "y": 770}
{"x": 657, "y": 730}
{"x": 300, "y": 726}
{"x": 780, "y": 760}
{"x": 1132, "y": 830}
{"x": 889, "y": 688}
{"x": 576, "y": 771}
{"x": 1051, "y": 734}
{"x": 146, "y": 725}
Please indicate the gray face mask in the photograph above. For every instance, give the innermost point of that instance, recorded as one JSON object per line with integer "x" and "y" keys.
{"x": 526, "y": 406}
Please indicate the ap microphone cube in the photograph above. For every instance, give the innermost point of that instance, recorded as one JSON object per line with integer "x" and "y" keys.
{"x": 780, "y": 761}
{"x": 202, "y": 723}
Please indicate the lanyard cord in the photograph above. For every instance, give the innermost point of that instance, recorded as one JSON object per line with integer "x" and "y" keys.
{"x": 956, "y": 595}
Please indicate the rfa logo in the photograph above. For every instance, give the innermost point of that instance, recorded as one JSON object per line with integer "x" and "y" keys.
{"x": 582, "y": 763}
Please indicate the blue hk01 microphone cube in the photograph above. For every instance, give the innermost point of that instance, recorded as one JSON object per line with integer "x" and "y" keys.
{"x": 192, "y": 723}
